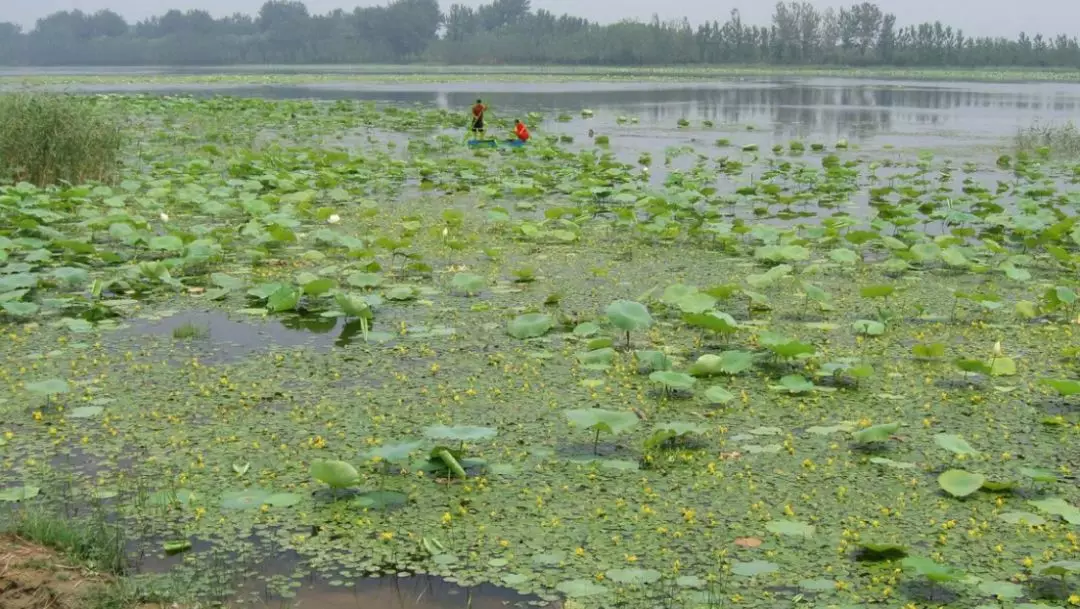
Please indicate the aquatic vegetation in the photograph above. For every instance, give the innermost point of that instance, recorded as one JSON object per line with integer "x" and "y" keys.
{"x": 50, "y": 139}
{"x": 757, "y": 376}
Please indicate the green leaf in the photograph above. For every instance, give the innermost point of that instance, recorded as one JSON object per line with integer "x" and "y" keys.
{"x": 393, "y": 453}
{"x": 728, "y": 362}
{"x": 461, "y": 433}
{"x": 718, "y": 395}
{"x": 931, "y": 570}
{"x": 227, "y": 282}
{"x": 337, "y": 474}
{"x": 1002, "y": 366}
{"x": 531, "y": 325}
{"x": 790, "y": 527}
{"x": 1039, "y": 474}
{"x": 714, "y": 321}
{"x": 696, "y": 303}
{"x": 653, "y": 360}
{"x": 929, "y": 351}
{"x": 1027, "y": 518}
{"x": 48, "y": 387}
{"x": 876, "y": 433}
{"x": 1061, "y": 568}
{"x": 19, "y": 493}
{"x": 954, "y": 444}
{"x": 20, "y": 309}
{"x": 795, "y": 383}
{"x": 468, "y": 283}
{"x": 318, "y": 287}
{"x": 882, "y": 551}
{"x": 586, "y": 329}
{"x": 71, "y": 277}
{"x": 637, "y": 577}
{"x": 365, "y": 280}
{"x": 1002, "y": 590}
{"x": 960, "y": 483}
{"x": 1065, "y": 387}
{"x": 85, "y": 412}
{"x": 869, "y": 327}
{"x": 597, "y": 359}
{"x": 673, "y": 380}
{"x": 891, "y": 463}
{"x": 1058, "y": 507}
{"x": 581, "y": 588}
{"x": 877, "y": 291}
{"x": 629, "y": 316}
{"x": 401, "y": 293}
{"x": 608, "y": 421}
{"x": 283, "y": 500}
{"x": 754, "y": 567}
{"x": 284, "y": 299}
{"x": 166, "y": 243}
{"x": 244, "y": 500}
{"x": 354, "y": 306}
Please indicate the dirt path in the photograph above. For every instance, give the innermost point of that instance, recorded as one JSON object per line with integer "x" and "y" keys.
{"x": 33, "y": 577}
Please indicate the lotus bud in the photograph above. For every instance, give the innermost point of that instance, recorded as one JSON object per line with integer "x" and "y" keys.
{"x": 334, "y": 219}
{"x": 998, "y": 352}
{"x": 164, "y": 217}
{"x": 445, "y": 231}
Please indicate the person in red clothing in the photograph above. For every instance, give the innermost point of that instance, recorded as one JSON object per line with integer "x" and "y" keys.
{"x": 521, "y": 130}
{"x": 478, "y": 110}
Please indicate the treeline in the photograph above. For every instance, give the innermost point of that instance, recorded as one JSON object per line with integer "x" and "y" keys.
{"x": 510, "y": 32}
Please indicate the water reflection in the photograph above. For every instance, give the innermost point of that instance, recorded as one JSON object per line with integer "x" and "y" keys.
{"x": 787, "y": 107}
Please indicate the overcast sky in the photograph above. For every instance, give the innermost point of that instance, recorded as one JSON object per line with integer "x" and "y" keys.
{"x": 980, "y": 17}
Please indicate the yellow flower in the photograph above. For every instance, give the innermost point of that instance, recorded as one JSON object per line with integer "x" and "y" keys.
{"x": 386, "y": 535}
{"x": 37, "y": 415}
{"x": 1028, "y": 562}
{"x": 631, "y": 558}
{"x": 504, "y": 542}
{"x": 1074, "y": 599}
{"x": 8, "y": 435}
{"x": 579, "y": 551}
{"x": 447, "y": 518}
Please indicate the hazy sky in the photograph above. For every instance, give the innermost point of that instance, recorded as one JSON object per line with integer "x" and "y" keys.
{"x": 982, "y": 17}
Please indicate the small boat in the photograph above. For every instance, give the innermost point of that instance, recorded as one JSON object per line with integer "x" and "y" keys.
{"x": 493, "y": 143}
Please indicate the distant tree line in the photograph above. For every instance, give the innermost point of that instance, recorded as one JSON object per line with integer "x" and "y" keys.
{"x": 510, "y": 32}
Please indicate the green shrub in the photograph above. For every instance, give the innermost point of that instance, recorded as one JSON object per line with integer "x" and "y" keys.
{"x": 1060, "y": 140}
{"x": 50, "y": 138}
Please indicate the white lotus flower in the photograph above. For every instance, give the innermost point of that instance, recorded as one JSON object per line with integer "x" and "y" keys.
{"x": 164, "y": 217}
{"x": 334, "y": 219}
{"x": 998, "y": 351}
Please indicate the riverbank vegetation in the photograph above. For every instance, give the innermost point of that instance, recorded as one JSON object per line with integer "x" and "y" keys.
{"x": 47, "y": 139}
{"x": 510, "y": 32}
{"x": 780, "y": 371}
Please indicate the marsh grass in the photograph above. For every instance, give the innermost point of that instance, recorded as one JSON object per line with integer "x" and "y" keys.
{"x": 189, "y": 331}
{"x": 52, "y": 138}
{"x": 92, "y": 542}
{"x": 1058, "y": 140}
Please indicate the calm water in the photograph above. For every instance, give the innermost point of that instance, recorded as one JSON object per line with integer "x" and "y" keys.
{"x": 872, "y": 113}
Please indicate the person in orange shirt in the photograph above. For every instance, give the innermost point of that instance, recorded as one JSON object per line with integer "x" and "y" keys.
{"x": 521, "y": 130}
{"x": 478, "y": 110}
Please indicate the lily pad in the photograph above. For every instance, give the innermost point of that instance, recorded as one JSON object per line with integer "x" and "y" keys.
{"x": 638, "y": 577}
{"x": 19, "y": 493}
{"x": 960, "y": 483}
{"x": 531, "y": 325}
{"x": 244, "y": 500}
{"x": 460, "y": 433}
{"x": 336, "y": 474}
{"x": 876, "y": 433}
{"x": 581, "y": 588}
{"x": 955, "y": 444}
{"x": 790, "y": 527}
{"x": 754, "y": 567}
{"x": 85, "y": 412}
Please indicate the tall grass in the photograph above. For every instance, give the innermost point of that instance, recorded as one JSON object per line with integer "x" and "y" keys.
{"x": 51, "y": 138}
{"x": 93, "y": 542}
{"x": 1046, "y": 140}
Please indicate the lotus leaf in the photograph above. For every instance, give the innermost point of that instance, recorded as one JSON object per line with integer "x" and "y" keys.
{"x": 673, "y": 380}
{"x": 637, "y": 577}
{"x": 48, "y": 387}
{"x": 714, "y": 321}
{"x": 718, "y": 395}
{"x": 468, "y": 283}
{"x": 1056, "y": 506}
{"x": 728, "y": 362}
{"x": 960, "y": 483}
{"x": 461, "y": 433}
{"x": 629, "y": 316}
{"x": 85, "y": 412}
{"x": 955, "y": 444}
{"x": 581, "y": 588}
{"x": 653, "y": 360}
{"x": 19, "y": 493}
{"x": 754, "y": 567}
{"x": 931, "y": 570}
{"x": 876, "y": 433}
{"x": 244, "y": 500}
{"x": 1061, "y": 567}
{"x": 336, "y": 474}
{"x": 608, "y": 421}
{"x": 586, "y": 329}
{"x": 530, "y": 325}
{"x": 790, "y": 527}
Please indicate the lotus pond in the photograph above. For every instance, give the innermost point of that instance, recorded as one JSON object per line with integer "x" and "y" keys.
{"x": 301, "y": 339}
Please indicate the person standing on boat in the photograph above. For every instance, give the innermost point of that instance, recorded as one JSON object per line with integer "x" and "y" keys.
{"x": 521, "y": 131}
{"x": 478, "y": 110}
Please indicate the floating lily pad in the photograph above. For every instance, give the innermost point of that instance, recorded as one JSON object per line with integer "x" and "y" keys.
{"x": 960, "y": 483}
{"x": 244, "y": 500}
{"x": 460, "y": 433}
{"x": 790, "y": 527}
{"x": 754, "y": 567}
{"x": 85, "y": 412}
{"x": 638, "y": 577}
{"x": 19, "y": 493}
{"x": 532, "y": 325}
{"x": 580, "y": 588}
